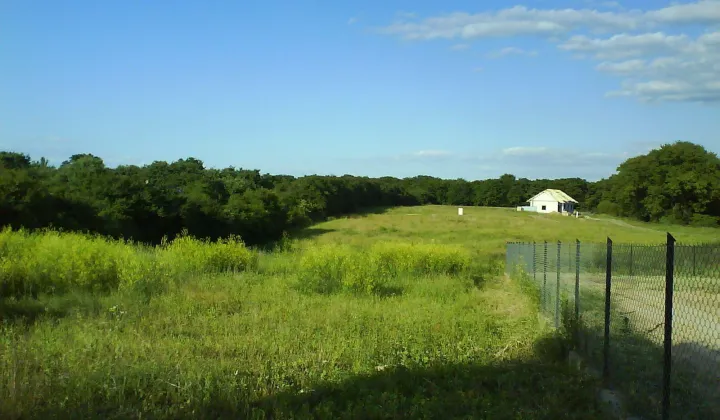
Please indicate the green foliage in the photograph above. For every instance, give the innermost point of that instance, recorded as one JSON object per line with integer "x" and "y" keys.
{"x": 529, "y": 288}
{"x": 333, "y": 268}
{"x": 608, "y": 207}
{"x": 55, "y": 262}
{"x": 191, "y": 255}
{"x": 670, "y": 184}
{"x": 419, "y": 259}
{"x": 225, "y": 345}
{"x": 704, "y": 220}
{"x": 678, "y": 183}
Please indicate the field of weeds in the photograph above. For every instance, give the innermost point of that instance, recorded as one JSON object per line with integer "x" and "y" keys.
{"x": 381, "y": 316}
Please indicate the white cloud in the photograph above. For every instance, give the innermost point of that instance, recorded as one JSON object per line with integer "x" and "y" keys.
{"x": 522, "y": 161}
{"x": 671, "y": 91}
{"x": 524, "y": 151}
{"x": 460, "y": 47}
{"x": 511, "y": 51}
{"x": 548, "y": 155}
{"x": 520, "y": 20}
{"x": 611, "y": 5}
{"x": 604, "y": 4}
{"x": 478, "y": 69}
{"x": 406, "y": 15}
{"x": 623, "y": 67}
{"x": 352, "y": 20}
{"x": 625, "y": 45}
{"x": 432, "y": 153}
{"x": 654, "y": 65}
{"x": 543, "y": 157}
{"x": 539, "y": 161}
{"x": 532, "y": 155}
{"x": 701, "y": 12}
{"x": 660, "y": 67}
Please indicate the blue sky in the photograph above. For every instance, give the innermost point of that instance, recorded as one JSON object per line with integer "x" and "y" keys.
{"x": 452, "y": 89}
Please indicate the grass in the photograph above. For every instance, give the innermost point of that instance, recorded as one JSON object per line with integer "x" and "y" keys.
{"x": 485, "y": 231}
{"x": 53, "y": 262}
{"x": 385, "y": 315}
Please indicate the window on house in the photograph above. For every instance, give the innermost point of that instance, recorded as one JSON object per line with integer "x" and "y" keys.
{"x": 544, "y": 207}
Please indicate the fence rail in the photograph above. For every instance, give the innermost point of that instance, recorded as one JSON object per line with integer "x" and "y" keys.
{"x": 646, "y": 316}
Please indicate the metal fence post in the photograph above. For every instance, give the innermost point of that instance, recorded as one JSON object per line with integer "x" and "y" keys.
{"x": 606, "y": 343}
{"x": 577, "y": 293}
{"x": 667, "y": 359}
{"x": 694, "y": 251}
{"x": 631, "y": 260}
{"x": 544, "y": 288}
{"x": 557, "y": 287}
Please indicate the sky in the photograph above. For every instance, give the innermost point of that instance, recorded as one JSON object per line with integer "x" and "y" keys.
{"x": 453, "y": 89}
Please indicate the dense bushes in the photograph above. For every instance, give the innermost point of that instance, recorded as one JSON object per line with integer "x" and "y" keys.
{"x": 704, "y": 220}
{"x": 609, "y": 208}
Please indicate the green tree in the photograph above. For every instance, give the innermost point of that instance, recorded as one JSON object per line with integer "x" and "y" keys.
{"x": 671, "y": 183}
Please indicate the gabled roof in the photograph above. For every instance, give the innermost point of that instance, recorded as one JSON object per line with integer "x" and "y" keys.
{"x": 556, "y": 195}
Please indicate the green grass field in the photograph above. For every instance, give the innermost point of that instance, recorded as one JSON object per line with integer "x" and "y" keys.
{"x": 486, "y": 230}
{"x": 394, "y": 313}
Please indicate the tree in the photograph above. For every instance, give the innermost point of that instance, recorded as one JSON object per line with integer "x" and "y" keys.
{"x": 679, "y": 182}
{"x": 672, "y": 183}
{"x": 12, "y": 160}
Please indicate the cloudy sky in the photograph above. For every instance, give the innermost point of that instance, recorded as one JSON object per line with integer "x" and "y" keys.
{"x": 469, "y": 89}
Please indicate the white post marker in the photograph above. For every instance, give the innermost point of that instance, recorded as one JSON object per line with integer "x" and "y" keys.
{"x": 460, "y": 211}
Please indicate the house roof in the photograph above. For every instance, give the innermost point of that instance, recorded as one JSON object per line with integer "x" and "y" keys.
{"x": 556, "y": 195}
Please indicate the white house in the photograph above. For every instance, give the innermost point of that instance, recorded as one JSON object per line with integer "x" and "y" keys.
{"x": 551, "y": 201}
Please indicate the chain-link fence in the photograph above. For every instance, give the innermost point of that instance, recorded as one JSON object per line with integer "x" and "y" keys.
{"x": 646, "y": 316}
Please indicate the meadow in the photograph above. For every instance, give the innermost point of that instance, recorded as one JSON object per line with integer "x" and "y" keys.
{"x": 398, "y": 312}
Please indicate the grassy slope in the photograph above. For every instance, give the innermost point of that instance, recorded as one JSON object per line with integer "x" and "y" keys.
{"x": 250, "y": 345}
{"x": 488, "y": 229}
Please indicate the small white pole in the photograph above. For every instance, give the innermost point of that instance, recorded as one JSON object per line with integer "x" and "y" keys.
{"x": 460, "y": 211}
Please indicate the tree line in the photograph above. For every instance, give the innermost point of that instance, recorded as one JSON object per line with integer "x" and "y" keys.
{"x": 678, "y": 183}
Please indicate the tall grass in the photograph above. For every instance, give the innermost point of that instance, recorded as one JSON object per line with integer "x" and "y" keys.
{"x": 251, "y": 345}
{"x": 54, "y": 262}
{"x": 334, "y": 268}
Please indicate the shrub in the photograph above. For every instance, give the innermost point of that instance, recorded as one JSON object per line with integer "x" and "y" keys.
{"x": 672, "y": 219}
{"x": 334, "y": 268}
{"x": 188, "y": 255}
{"x": 54, "y": 262}
{"x": 609, "y": 208}
{"x": 704, "y": 220}
{"x": 419, "y": 259}
{"x": 323, "y": 269}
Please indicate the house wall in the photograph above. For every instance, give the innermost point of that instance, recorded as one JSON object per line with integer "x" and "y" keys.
{"x": 550, "y": 205}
